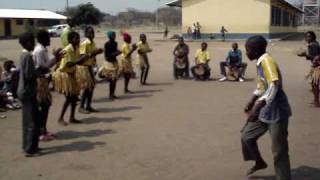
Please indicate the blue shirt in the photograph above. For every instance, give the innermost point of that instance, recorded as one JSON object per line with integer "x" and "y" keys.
{"x": 234, "y": 58}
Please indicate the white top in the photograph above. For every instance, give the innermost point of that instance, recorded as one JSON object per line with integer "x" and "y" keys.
{"x": 41, "y": 57}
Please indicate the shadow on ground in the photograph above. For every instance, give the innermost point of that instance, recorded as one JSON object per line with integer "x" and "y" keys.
{"x": 300, "y": 173}
{"x": 93, "y": 120}
{"x": 121, "y": 109}
{"x": 66, "y": 135}
{"x": 148, "y": 91}
{"x": 80, "y": 146}
{"x": 124, "y": 97}
{"x": 160, "y": 84}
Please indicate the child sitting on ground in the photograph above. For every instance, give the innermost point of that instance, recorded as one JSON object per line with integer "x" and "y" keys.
{"x": 315, "y": 80}
{"x": 10, "y": 77}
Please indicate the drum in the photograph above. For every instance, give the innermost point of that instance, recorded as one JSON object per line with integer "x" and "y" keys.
{"x": 181, "y": 63}
{"x": 200, "y": 70}
{"x": 233, "y": 74}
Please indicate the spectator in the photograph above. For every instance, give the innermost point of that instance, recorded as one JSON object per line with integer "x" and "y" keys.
{"x": 233, "y": 61}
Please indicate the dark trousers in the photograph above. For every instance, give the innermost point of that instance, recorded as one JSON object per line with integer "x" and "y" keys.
{"x": 86, "y": 98}
{"x": 43, "y": 115}
{"x": 87, "y": 95}
{"x": 242, "y": 68}
{"x": 178, "y": 72}
{"x": 145, "y": 71}
{"x": 30, "y": 126}
{"x": 279, "y": 136}
{"x": 127, "y": 77}
{"x": 112, "y": 87}
{"x": 205, "y": 76}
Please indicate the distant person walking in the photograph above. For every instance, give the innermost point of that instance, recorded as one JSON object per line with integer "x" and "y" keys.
{"x": 198, "y": 30}
{"x": 194, "y": 31}
{"x": 189, "y": 32}
{"x": 223, "y": 33}
{"x": 166, "y": 32}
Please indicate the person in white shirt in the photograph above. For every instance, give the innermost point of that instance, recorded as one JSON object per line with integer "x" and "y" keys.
{"x": 43, "y": 63}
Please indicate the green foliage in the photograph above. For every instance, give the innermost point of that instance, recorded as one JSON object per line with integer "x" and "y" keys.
{"x": 85, "y": 14}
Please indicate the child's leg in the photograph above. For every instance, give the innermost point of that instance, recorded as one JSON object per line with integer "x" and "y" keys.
{"x": 127, "y": 77}
{"x": 193, "y": 71}
{"x": 315, "y": 89}
{"x": 89, "y": 101}
{"x": 64, "y": 108}
{"x": 31, "y": 126}
{"x": 142, "y": 74}
{"x": 84, "y": 98}
{"x": 146, "y": 72}
{"x": 44, "y": 112}
{"x": 73, "y": 107}
{"x": 112, "y": 88}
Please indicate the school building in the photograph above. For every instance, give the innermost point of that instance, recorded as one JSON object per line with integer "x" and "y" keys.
{"x": 13, "y": 22}
{"x": 241, "y": 18}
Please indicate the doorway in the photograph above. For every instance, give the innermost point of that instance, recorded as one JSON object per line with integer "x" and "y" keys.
{"x": 7, "y": 27}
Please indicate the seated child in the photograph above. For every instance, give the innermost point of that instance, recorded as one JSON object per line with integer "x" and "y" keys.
{"x": 315, "y": 80}
{"x": 233, "y": 62}
{"x": 10, "y": 78}
{"x": 201, "y": 70}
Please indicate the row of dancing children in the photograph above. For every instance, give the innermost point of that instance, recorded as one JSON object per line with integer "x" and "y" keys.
{"x": 312, "y": 54}
{"x": 201, "y": 70}
{"x": 74, "y": 73}
{"x": 112, "y": 69}
{"x": 33, "y": 88}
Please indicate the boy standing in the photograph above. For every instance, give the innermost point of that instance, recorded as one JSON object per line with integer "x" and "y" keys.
{"x": 268, "y": 110}
{"x": 27, "y": 93}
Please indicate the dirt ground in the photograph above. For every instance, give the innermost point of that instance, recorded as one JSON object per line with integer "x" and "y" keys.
{"x": 170, "y": 130}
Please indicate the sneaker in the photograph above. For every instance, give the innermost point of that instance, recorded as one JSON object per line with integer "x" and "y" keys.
{"x": 223, "y": 79}
{"x": 92, "y": 110}
{"x": 128, "y": 92}
{"x": 241, "y": 80}
{"x": 45, "y": 138}
{"x": 83, "y": 111}
{"x": 33, "y": 154}
{"x": 52, "y": 135}
{"x": 10, "y": 107}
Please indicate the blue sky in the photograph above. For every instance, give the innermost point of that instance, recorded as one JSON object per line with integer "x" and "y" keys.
{"x": 109, "y": 6}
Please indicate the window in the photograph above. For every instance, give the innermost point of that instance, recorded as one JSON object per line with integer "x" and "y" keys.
{"x": 281, "y": 17}
{"x": 276, "y": 16}
{"x": 31, "y": 22}
{"x": 19, "y": 22}
{"x": 286, "y": 19}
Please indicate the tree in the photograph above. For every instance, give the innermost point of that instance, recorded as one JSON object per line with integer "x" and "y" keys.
{"x": 169, "y": 16}
{"x": 85, "y": 14}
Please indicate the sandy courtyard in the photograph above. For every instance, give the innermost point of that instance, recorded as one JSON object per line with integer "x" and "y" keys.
{"x": 170, "y": 130}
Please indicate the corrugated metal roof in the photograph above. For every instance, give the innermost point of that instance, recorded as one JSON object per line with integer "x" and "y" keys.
{"x": 178, "y": 3}
{"x": 30, "y": 14}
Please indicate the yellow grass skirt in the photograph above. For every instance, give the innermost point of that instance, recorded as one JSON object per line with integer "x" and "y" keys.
{"x": 126, "y": 65}
{"x": 109, "y": 70}
{"x": 84, "y": 78}
{"x": 65, "y": 83}
{"x": 141, "y": 61}
{"x": 315, "y": 77}
{"x": 43, "y": 91}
